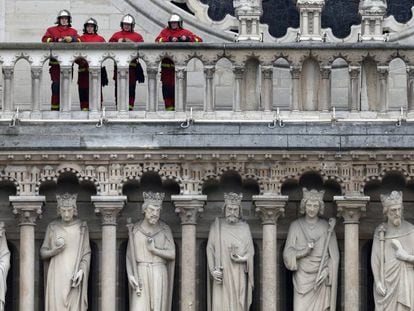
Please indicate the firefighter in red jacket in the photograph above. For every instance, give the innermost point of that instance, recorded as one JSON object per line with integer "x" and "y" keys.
{"x": 90, "y": 34}
{"x": 173, "y": 33}
{"x": 127, "y": 34}
{"x": 63, "y": 33}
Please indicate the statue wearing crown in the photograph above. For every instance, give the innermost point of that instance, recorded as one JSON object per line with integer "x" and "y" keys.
{"x": 311, "y": 252}
{"x": 67, "y": 255}
{"x": 150, "y": 258}
{"x": 230, "y": 254}
{"x": 392, "y": 258}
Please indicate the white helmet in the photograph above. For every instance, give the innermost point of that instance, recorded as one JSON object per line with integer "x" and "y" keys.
{"x": 175, "y": 19}
{"x": 128, "y": 19}
{"x": 90, "y": 21}
{"x": 64, "y": 13}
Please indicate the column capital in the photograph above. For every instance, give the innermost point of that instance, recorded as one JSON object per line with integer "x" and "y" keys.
{"x": 189, "y": 207}
{"x": 270, "y": 207}
{"x": 27, "y": 208}
{"x": 108, "y": 207}
{"x": 351, "y": 208}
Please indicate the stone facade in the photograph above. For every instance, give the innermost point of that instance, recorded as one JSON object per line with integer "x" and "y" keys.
{"x": 261, "y": 119}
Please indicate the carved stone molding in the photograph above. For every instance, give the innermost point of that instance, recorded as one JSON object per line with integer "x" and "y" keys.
{"x": 270, "y": 207}
{"x": 189, "y": 207}
{"x": 27, "y": 209}
{"x": 351, "y": 208}
{"x": 108, "y": 207}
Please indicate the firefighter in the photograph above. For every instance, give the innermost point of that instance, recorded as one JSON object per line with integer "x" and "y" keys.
{"x": 173, "y": 33}
{"x": 62, "y": 33}
{"x": 127, "y": 34}
{"x": 90, "y": 34}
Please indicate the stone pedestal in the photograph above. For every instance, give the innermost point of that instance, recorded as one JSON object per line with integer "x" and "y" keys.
{"x": 188, "y": 208}
{"x": 248, "y": 12}
{"x": 351, "y": 208}
{"x": 372, "y": 17}
{"x": 27, "y": 209}
{"x": 108, "y": 207}
{"x": 310, "y": 19}
{"x": 269, "y": 208}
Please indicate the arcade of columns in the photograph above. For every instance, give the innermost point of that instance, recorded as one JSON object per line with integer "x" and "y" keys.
{"x": 352, "y": 171}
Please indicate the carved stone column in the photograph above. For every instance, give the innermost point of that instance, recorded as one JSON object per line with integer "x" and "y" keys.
{"x": 65, "y": 89}
{"x": 269, "y": 208}
{"x": 152, "y": 73}
{"x": 123, "y": 89}
{"x": 27, "y": 209}
{"x": 209, "y": 71}
{"x": 383, "y": 87}
{"x": 36, "y": 76}
{"x": 188, "y": 207}
{"x": 295, "y": 72}
{"x": 325, "y": 98}
{"x": 267, "y": 72}
{"x": 8, "y": 102}
{"x": 108, "y": 207}
{"x": 180, "y": 76}
{"x": 238, "y": 79}
{"x": 353, "y": 95}
{"x": 410, "y": 88}
{"x": 351, "y": 208}
{"x": 94, "y": 88}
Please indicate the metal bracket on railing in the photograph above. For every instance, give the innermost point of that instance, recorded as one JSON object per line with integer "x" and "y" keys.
{"x": 277, "y": 121}
{"x": 401, "y": 118}
{"x": 333, "y": 115}
{"x": 189, "y": 121}
{"x": 15, "y": 118}
{"x": 102, "y": 119}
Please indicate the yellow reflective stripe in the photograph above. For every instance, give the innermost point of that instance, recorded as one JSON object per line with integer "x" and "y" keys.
{"x": 167, "y": 65}
{"x": 48, "y": 40}
{"x": 160, "y": 40}
{"x": 82, "y": 70}
{"x": 53, "y": 62}
{"x": 55, "y": 106}
{"x": 196, "y": 40}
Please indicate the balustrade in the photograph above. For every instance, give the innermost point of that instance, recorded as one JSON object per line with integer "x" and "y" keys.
{"x": 265, "y": 56}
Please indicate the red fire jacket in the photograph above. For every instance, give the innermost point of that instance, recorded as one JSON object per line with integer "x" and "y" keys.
{"x": 57, "y": 33}
{"x": 130, "y": 35}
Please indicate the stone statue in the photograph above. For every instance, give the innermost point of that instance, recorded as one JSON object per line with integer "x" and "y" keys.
{"x": 67, "y": 256}
{"x": 311, "y": 252}
{"x": 230, "y": 254}
{"x": 150, "y": 259}
{"x": 392, "y": 258}
{"x": 4, "y": 265}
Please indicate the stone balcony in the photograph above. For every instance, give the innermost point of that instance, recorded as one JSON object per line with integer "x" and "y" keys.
{"x": 325, "y": 84}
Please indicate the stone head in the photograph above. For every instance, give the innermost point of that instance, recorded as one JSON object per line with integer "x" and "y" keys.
{"x": 393, "y": 207}
{"x": 312, "y": 203}
{"x": 66, "y": 206}
{"x": 152, "y": 206}
{"x": 232, "y": 207}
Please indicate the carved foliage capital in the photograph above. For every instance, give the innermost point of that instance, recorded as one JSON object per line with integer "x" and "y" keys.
{"x": 27, "y": 210}
{"x": 108, "y": 208}
{"x": 36, "y": 72}
{"x": 189, "y": 207}
{"x": 270, "y": 208}
{"x": 8, "y": 72}
{"x": 351, "y": 208}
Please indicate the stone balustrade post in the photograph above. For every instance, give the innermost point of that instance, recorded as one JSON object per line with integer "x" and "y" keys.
{"x": 36, "y": 78}
{"x": 410, "y": 88}
{"x": 310, "y": 19}
{"x": 108, "y": 208}
{"x": 325, "y": 98}
{"x": 123, "y": 88}
{"x": 267, "y": 72}
{"x": 238, "y": 79}
{"x": 152, "y": 73}
{"x": 383, "y": 87}
{"x": 209, "y": 71}
{"x": 180, "y": 76}
{"x": 269, "y": 208}
{"x": 27, "y": 209}
{"x": 295, "y": 72}
{"x": 351, "y": 208}
{"x": 353, "y": 95}
{"x": 65, "y": 89}
{"x": 8, "y": 77}
{"x": 188, "y": 207}
{"x": 94, "y": 89}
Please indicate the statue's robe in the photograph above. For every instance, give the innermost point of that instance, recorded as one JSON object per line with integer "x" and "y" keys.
{"x": 308, "y": 297}
{"x": 156, "y": 275}
{"x": 399, "y": 275}
{"x": 60, "y": 269}
{"x": 235, "y": 292}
